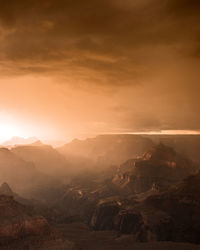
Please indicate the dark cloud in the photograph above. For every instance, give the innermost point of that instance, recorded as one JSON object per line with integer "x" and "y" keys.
{"x": 143, "y": 54}
{"x": 113, "y": 39}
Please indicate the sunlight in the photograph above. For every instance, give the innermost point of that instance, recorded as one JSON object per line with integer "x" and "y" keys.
{"x": 7, "y": 131}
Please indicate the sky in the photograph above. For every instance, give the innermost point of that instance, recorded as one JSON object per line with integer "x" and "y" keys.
{"x": 79, "y": 68}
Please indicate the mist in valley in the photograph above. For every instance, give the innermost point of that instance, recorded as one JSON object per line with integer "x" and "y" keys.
{"x": 99, "y": 124}
{"x": 118, "y": 189}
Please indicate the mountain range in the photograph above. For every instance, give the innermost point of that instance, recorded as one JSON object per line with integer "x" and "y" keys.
{"x": 110, "y": 186}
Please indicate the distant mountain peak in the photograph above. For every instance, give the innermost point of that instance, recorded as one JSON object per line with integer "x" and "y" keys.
{"x": 37, "y": 143}
{"x": 5, "y": 189}
{"x": 15, "y": 140}
{"x": 161, "y": 151}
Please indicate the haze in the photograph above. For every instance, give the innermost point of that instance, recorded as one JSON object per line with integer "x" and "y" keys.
{"x": 100, "y": 124}
{"x": 76, "y": 69}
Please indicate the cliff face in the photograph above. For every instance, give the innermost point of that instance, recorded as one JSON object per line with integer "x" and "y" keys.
{"x": 160, "y": 167}
{"x": 78, "y": 202}
{"x": 134, "y": 181}
{"x": 105, "y": 214}
{"x": 173, "y": 215}
{"x": 169, "y": 216}
{"x": 154, "y": 203}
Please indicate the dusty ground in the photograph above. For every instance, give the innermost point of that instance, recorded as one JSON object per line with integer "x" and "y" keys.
{"x": 86, "y": 239}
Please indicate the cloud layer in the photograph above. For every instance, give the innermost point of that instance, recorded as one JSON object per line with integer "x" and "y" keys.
{"x": 98, "y": 41}
{"x": 146, "y": 50}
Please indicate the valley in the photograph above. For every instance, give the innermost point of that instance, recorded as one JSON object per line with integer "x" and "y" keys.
{"x": 148, "y": 201}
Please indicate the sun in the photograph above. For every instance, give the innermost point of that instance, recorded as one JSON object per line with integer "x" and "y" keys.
{"x": 9, "y": 130}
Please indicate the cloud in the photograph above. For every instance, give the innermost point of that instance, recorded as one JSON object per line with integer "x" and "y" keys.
{"x": 101, "y": 42}
{"x": 130, "y": 64}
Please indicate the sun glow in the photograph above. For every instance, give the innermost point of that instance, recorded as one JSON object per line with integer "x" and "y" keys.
{"x": 9, "y": 130}
{"x": 10, "y": 127}
{"x": 13, "y": 125}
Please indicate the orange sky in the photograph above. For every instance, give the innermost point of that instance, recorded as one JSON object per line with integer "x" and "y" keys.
{"x": 73, "y": 69}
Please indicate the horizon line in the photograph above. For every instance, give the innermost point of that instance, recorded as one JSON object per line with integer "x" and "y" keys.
{"x": 161, "y": 132}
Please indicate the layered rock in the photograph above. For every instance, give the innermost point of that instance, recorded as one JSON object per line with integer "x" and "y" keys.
{"x": 105, "y": 214}
{"x": 79, "y": 202}
{"x": 160, "y": 167}
{"x": 135, "y": 180}
{"x": 169, "y": 216}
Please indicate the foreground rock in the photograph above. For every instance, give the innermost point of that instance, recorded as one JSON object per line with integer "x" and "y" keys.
{"x": 169, "y": 216}
{"x": 21, "y": 228}
{"x": 18, "y": 221}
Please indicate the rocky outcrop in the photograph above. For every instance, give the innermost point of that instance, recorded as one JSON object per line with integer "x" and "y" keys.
{"x": 78, "y": 203}
{"x": 174, "y": 215}
{"x": 137, "y": 179}
{"x": 169, "y": 216}
{"x": 105, "y": 214}
{"x": 160, "y": 167}
{"x": 145, "y": 198}
{"x": 114, "y": 213}
{"x": 21, "y": 228}
{"x": 19, "y": 221}
{"x": 6, "y": 190}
